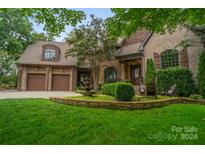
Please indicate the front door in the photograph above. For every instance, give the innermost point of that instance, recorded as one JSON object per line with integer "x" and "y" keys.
{"x": 135, "y": 74}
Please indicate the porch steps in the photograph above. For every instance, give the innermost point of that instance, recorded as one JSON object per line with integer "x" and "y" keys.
{"x": 136, "y": 88}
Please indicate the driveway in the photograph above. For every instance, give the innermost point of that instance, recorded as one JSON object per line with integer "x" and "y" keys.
{"x": 36, "y": 94}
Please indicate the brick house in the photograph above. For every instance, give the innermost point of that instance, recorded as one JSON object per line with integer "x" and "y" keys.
{"x": 43, "y": 65}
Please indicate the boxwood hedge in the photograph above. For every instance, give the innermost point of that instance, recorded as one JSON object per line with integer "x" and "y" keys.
{"x": 109, "y": 89}
{"x": 182, "y": 77}
{"x": 122, "y": 91}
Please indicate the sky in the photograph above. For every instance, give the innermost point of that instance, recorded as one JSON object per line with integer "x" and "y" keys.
{"x": 102, "y": 13}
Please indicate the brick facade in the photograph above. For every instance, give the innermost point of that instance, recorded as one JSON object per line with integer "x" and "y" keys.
{"x": 109, "y": 63}
{"x": 48, "y": 71}
{"x": 135, "y": 51}
{"x": 159, "y": 43}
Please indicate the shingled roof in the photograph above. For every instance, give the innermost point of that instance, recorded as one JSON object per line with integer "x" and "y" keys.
{"x": 33, "y": 54}
{"x": 134, "y": 44}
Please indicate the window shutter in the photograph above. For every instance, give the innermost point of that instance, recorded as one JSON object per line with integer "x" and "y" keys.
{"x": 157, "y": 60}
{"x": 184, "y": 61}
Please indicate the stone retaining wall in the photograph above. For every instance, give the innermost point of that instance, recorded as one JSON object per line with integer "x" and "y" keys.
{"x": 125, "y": 105}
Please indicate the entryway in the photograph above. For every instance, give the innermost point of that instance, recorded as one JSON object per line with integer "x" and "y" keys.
{"x": 135, "y": 74}
{"x": 133, "y": 71}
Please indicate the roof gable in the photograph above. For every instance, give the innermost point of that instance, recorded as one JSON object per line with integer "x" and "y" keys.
{"x": 137, "y": 37}
{"x": 33, "y": 54}
{"x": 134, "y": 44}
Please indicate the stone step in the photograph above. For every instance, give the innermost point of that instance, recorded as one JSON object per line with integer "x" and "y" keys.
{"x": 136, "y": 88}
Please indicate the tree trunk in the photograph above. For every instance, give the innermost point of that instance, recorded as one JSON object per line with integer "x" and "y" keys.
{"x": 95, "y": 75}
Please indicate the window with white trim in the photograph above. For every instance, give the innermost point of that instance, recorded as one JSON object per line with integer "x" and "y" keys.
{"x": 50, "y": 54}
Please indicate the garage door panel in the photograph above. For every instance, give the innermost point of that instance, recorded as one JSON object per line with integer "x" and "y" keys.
{"x": 60, "y": 82}
{"x": 36, "y": 82}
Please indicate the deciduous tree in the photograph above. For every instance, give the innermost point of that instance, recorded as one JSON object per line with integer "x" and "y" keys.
{"x": 15, "y": 31}
{"x": 41, "y": 37}
{"x": 127, "y": 21}
{"x": 91, "y": 44}
{"x": 54, "y": 20}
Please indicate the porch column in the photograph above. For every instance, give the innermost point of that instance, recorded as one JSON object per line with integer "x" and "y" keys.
{"x": 122, "y": 71}
{"x": 73, "y": 78}
{"x": 49, "y": 75}
{"x": 24, "y": 78}
{"x": 19, "y": 78}
{"x": 128, "y": 75}
{"x": 143, "y": 68}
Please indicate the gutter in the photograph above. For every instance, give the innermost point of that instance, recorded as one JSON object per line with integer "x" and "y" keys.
{"x": 141, "y": 48}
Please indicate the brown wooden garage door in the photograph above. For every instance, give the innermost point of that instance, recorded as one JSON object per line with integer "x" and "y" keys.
{"x": 36, "y": 82}
{"x": 60, "y": 82}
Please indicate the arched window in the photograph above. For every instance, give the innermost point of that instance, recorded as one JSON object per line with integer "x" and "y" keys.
{"x": 110, "y": 75}
{"x": 169, "y": 58}
{"x": 50, "y": 52}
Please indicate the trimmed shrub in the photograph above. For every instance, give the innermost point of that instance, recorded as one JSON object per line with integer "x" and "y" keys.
{"x": 109, "y": 89}
{"x": 182, "y": 77}
{"x": 164, "y": 80}
{"x": 196, "y": 96}
{"x": 100, "y": 86}
{"x": 201, "y": 74}
{"x": 150, "y": 78}
{"x": 122, "y": 91}
{"x": 150, "y": 73}
{"x": 151, "y": 89}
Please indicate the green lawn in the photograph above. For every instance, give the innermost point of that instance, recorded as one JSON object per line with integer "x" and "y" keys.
{"x": 39, "y": 121}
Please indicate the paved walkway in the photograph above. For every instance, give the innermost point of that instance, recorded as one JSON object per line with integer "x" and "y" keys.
{"x": 35, "y": 94}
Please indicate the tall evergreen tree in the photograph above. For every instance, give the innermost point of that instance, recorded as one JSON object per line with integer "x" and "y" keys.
{"x": 201, "y": 74}
{"x": 150, "y": 73}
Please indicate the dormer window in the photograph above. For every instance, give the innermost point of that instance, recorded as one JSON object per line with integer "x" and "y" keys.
{"x": 51, "y": 53}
